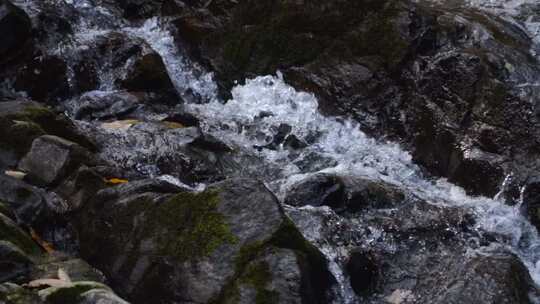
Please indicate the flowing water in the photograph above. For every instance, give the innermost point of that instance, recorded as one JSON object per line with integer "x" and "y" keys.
{"x": 330, "y": 144}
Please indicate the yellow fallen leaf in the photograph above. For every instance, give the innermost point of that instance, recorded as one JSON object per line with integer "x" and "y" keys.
{"x": 48, "y": 282}
{"x": 173, "y": 125}
{"x": 116, "y": 181}
{"x": 45, "y": 245}
{"x": 120, "y": 124}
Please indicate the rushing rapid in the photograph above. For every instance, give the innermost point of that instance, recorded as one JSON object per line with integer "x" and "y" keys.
{"x": 331, "y": 145}
{"x": 263, "y": 106}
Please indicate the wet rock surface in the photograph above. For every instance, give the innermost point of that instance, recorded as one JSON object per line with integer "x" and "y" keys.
{"x": 217, "y": 235}
{"x": 15, "y": 27}
{"x": 124, "y": 172}
{"x": 440, "y": 78}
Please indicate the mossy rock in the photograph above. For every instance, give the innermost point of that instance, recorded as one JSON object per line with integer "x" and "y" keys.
{"x": 9, "y": 231}
{"x": 22, "y": 121}
{"x": 191, "y": 228}
{"x": 255, "y": 273}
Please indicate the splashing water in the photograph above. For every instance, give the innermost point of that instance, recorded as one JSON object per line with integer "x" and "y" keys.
{"x": 352, "y": 153}
{"x": 185, "y": 75}
{"x": 260, "y": 107}
{"x": 263, "y": 106}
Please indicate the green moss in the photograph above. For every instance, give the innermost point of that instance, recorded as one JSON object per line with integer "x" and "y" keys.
{"x": 19, "y": 130}
{"x": 190, "y": 227}
{"x": 258, "y": 275}
{"x": 248, "y": 253}
{"x": 9, "y": 231}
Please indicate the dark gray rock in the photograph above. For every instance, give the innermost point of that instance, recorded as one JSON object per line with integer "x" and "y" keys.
{"x": 205, "y": 242}
{"x": 15, "y": 30}
{"x": 148, "y": 73}
{"x": 363, "y": 272}
{"x": 28, "y": 203}
{"x": 22, "y": 121}
{"x": 52, "y": 158}
{"x": 100, "y": 106}
{"x": 318, "y": 190}
{"x": 44, "y": 79}
{"x": 417, "y": 252}
{"x": 441, "y": 78}
{"x": 344, "y": 193}
{"x": 12, "y": 293}
{"x": 159, "y": 147}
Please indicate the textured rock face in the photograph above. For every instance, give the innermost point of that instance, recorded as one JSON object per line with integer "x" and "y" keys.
{"x": 212, "y": 245}
{"x": 62, "y": 157}
{"x": 44, "y": 79}
{"x": 439, "y": 78}
{"x": 409, "y": 252}
{"x": 15, "y": 28}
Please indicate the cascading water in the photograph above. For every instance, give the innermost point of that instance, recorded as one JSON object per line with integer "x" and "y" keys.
{"x": 333, "y": 145}
{"x": 251, "y": 120}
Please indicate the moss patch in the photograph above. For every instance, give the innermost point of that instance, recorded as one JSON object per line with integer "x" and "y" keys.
{"x": 258, "y": 276}
{"x": 257, "y": 273}
{"x": 190, "y": 227}
{"x": 19, "y": 130}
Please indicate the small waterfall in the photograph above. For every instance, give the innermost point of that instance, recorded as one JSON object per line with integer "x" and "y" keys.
{"x": 260, "y": 108}
{"x": 252, "y": 118}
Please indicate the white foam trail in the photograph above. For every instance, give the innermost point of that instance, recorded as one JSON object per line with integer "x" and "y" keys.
{"x": 352, "y": 152}
{"x": 182, "y": 72}
{"x": 251, "y": 119}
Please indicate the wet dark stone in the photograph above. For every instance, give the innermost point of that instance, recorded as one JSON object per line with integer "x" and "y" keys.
{"x": 184, "y": 118}
{"x": 210, "y": 143}
{"x": 531, "y": 201}
{"x": 344, "y": 193}
{"x": 28, "y": 202}
{"x": 22, "y": 121}
{"x": 15, "y": 30}
{"x": 44, "y": 79}
{"x": 405, "y": 71}
{"x": 249, "y": 237}
{"x": 148, "y": 73}
{"x": 318, "y": 190}
{"x": 52, "y": 158}
{"x": 102, "y": 106}
{"x": 363, "y": 272}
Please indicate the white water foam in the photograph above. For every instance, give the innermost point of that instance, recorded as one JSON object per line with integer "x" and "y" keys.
{"x": 184, "y": 74}
{"x": 353, "y": 153}
{"x": 253, "y": 116}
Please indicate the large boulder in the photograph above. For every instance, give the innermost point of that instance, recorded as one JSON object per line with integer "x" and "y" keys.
{"x": 416, "y": 252}
{"x": 231, "y": 242}
{"x": 15, "y": 30}
{"x": 30, "y": 204}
